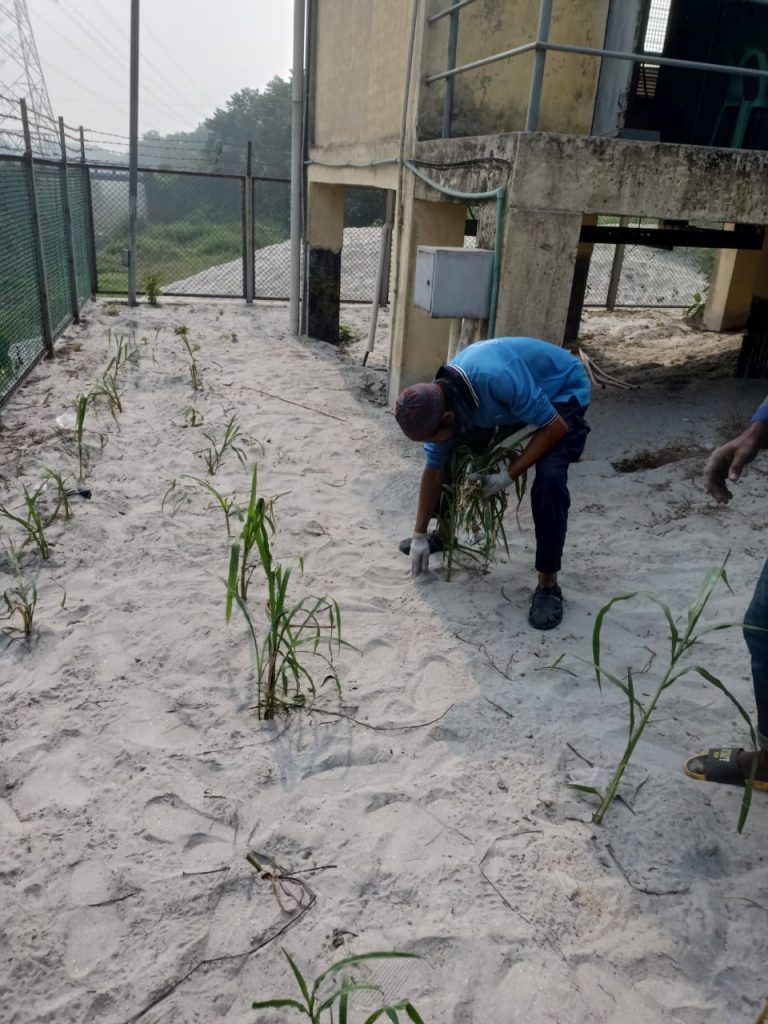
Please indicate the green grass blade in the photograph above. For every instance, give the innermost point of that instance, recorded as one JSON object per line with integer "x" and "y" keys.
{"x": 300, "y": 980}
{"x": 597, "y": 633}
{"x": 232, "y": 576}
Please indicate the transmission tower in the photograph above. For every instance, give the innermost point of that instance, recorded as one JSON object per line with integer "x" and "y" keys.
{"x": 21, "y": 77}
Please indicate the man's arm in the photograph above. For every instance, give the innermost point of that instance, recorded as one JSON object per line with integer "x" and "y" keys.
{"x": 543, "y": 440}
{"x": 429, "y": 497}
{"x": 726, "y": 462}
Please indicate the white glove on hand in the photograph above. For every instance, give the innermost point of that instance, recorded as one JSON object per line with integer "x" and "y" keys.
{"x": 419, "y": 554}
{"x": 496, "y": 482}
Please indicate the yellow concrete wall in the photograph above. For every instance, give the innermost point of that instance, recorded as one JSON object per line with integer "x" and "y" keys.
{"x": 362, "y": 48}
{"x": 494, "y": 98}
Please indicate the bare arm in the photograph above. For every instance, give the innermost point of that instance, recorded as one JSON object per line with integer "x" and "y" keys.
{"x": 429, "y": 497}
{"x": 726, "y": 462}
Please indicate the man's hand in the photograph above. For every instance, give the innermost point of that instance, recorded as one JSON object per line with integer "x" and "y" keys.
{"x": 726, "y": 462}
{"x": 495, "y": 482}
{"x": 419, "y": 554}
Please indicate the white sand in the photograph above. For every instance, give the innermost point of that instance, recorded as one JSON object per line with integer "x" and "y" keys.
{"x": 134, "y": 776}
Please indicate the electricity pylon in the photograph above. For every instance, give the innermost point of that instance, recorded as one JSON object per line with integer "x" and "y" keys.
{"x": 21, "y": 77}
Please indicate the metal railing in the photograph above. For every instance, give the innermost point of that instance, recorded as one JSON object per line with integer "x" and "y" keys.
{"x": 541, "y": 46}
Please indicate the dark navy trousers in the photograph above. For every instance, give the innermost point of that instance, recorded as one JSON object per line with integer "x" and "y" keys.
{"x": 757, "y": 642}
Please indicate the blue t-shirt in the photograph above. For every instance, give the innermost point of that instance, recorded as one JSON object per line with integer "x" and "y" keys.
{"x": 510, "y": 381}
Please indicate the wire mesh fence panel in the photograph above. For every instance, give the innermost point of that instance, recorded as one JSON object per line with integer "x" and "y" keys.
{"x": 650, "y": 276}
{"x": 78, "y": 203}
{"x": 364, "y": 211}
{"x": 53, "y": 228}
{"x": 21, "y": 326}
{"x": 109, "y": 195}
{"x": 271, "y": 238}
{"x": 191, "y": 233}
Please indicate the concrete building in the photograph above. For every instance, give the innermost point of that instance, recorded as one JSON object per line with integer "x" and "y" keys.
{"x": 512, "y": 111}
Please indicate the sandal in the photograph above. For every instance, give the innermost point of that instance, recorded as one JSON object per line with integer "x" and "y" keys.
{"x": 546, "y": 608}
{"x": 722, "y": 764}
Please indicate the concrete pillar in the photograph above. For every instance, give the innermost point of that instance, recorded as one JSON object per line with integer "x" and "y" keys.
{"x": 325, "y": 234}
{"x": 419, "y": 343}
{"x": 538, "y": 261}
{"x": 579, "y": 286}
{"x": 739, "y": 275}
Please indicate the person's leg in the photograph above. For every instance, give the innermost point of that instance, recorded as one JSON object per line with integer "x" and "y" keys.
{"x": 730, "y": 765}
{"x": 550, "y": 502}
{"x": 756, "y": 637}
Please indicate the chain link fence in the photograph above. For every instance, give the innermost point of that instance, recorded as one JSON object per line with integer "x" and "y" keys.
{"x": 37, "y": 298}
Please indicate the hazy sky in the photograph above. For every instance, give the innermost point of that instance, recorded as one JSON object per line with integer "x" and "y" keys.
{"x": 195, "y": 54}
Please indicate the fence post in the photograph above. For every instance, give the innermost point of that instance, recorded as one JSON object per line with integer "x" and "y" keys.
{"x": 91, "y": 222}
{"x": 70, "y": 238}
{"x": 616, "y": 268}
{"x": 42, "y": 284}
{"x": 248, "y": 228}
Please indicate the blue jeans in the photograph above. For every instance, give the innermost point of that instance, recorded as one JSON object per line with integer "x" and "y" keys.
{"x": 757, "y": 642}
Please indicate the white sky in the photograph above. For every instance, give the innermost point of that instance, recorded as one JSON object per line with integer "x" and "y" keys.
{"x": 195, "y": 54}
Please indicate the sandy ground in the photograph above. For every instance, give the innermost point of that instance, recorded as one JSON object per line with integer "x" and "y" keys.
{"x": 432, "y": 797}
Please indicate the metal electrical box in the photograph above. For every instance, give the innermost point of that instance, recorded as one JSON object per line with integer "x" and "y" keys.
{"x": 452, "y": 282}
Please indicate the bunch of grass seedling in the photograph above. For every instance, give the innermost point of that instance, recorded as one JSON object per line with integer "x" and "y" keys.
{"x": 465, "y": 512}
{"x": 31, "y": 521}
{"x": 339, "y": 984}
{"x": 682, "y": 639}
{"x": 21, "y": 598}
{"x": 192, "y": 416}
{"x": 227, "y": 505}
{"x": 195, "y": 377}
{"x": 310, "y": 627}
{"x": 63, "y": 509}
{"x": 152, "y": 288}
{"x": 128, "y": 352}
{"x": 214, "y": 456}
{"x": 106, "y": 390}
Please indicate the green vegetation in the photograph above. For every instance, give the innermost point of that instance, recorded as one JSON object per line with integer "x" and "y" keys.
{"x": 20, "y": 598}
{"x": 315, "y": 1007}
{"x": 31, "y": 521}
{"x": 682, "y": 640}
{"x": 295, "y": 632}
{"x": 152, "y": 288}
{"x": 214, "y": 456}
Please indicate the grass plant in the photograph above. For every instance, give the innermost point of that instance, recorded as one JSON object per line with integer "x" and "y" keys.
{"x": 334, "y": 987}
{"x": 214, "y": 455}
{"x": 682, "y": 639}
{"x": 227, "y": 505}
{"x": 20, "y": 598}
{"x": 107, "y": 390}
{"x": 32, "y": 522}
{"x": 310, "y": 627}
{"x": 63, "y": 510}
{"x": 466, "y": 513}
{"x": 81, "y": 407}
{"x": 128, "y": 352}
{"x": 152, "y": 288}
{"x": 195, "y": 376}
{"x": 193, "y": 417}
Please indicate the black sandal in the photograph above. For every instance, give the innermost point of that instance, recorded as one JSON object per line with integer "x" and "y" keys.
{"x": 546, "y": 608}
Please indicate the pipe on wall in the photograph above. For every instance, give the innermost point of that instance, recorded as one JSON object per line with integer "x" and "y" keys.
{"x": 297, "y": 160}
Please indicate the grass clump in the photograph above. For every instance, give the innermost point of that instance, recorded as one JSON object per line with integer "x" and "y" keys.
{"x": 475, "y": 524}
{"x": 152, "y": 288}
{"x": 295, "y": 632}
{"x": 195, "y": 377}
{"x": 334, "y": 987}
{"x": 20, "y": 598}
{"x": 81, "y": 407}
{"x": 106, "y": 391}
{"x": 31, "y": 521}
{"x": 682, "y": 639}
{"x": 214, "y": 455}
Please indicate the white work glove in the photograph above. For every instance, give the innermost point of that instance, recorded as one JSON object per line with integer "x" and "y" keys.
{"x": 495, "y": 482}
{"x": 419, "y": 554}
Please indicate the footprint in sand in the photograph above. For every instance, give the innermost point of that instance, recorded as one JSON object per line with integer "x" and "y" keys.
{"x": 204, "y": 843}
